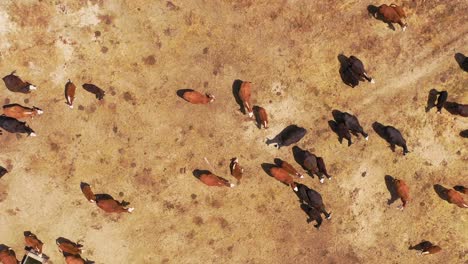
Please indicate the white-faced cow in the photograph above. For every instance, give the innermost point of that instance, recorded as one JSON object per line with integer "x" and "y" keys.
{"x": 236, "y": 169}
{"x": 7, "y": 255}
{"x": 283, "y": 176}
{"x": 393, "y": 14}
{"x": 12, "y": 125}
{"x": 15, "y": 84}
{"x": 402, "y": 191}
{"x": 98, "y": 92}
{"x": 290, "y": 135}
{"x": 312, "y": 198}
{"x": 33, "y": 242}
{"x": 70, "y": 89}
{"x": 261, "y": 116}
{"x": 244, "y": 95}
{"x": 195, "y": 97}
{"x": 105, "y": 201}
{"x": 18, "y": 111}
{"x": 210, "y": 179}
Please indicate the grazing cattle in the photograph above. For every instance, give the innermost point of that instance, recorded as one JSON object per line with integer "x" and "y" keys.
{"x": 76, "y": 259}
{"x": 393, "y": 14}
{"x": 457, "y": 109}
{"x": 314, "y": 215}
{"x": 352, "y": 123}
{"x": 110, "y": 205}
{"x": 18, "y": 111}
{"x": 88, "y": 193}
{"x": 15, "y": 84}
{"x": 12, "y": 125}
{"x": 7, "y": 255}
{"x": 426, "y": 248}
{"x": 461, "y": 189}
{"x": 236, "y": 169}
{"x": 312, "y": 198}
{"x": 33, "y": 242}
{"x": 69, "y": 247}
{"x": 402, "y": 191}
{"x": 343, "y": 132}
{"x": 3, "y": 171}
{"x": 262, "y": 117}
{"x": 322, "y": 168}
{"x": 441, "y": 100}
{"x": 288, "y": 167}
{"x": 394, "y": 137}
{"x": 210, "y": 179}
{"x": 98, "y": 92}
{"x": 283, "y": 176}
{"x": 456, "y": 198}
{"x": 290, "y": 135}
{"x": 244, "y": 95}
{"x": 310, "y": 162}
{"x": 355, "y": 69}
{"x": 195, "y": 97}
{"x": 70, "y": 89}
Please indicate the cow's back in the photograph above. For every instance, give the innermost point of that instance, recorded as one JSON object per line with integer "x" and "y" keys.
{"x": 463, "y": 110}
{"x": 389, "y": 13}
{"x": 455, "y": 197}
{"x": 315, "y": 198}
{"x": 108, "y": 206}
{"x": 402, "y": 189}
{"x": 194, "y": 97}
{"x": 394, "y": 135}
{"x": 74, "y": 260}
{"x": 293, "y": 136}
{"x": 245, "y": 90}
{"x": 310, "y": 162}
{"x": 14, "y": 83}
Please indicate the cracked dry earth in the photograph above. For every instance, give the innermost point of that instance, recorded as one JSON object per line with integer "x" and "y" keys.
{"x": 142, "y": 142}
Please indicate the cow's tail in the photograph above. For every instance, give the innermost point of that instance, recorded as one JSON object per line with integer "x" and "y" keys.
{"x": 13, "y": 72}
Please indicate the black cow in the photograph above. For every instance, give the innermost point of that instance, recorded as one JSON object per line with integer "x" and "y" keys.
{"x": 311, "y": 163}
{"x": 15, "y": 84}
{"x": 441, "y": 100}
{"x": 356, "y": 72}
{"x": 394, "y": 137}
{"x": 343, "y": 132}
{"x": 12, "y": 125}
{"x": 3, "y": 171}
{"x": 94, "y": 90}
{"x": 352, "y": 123}
{"x": 457, "y": 109}
{"x": 290, "y": 135}
{"x": 312, "y": 198}
{"x": 314, "y": 215}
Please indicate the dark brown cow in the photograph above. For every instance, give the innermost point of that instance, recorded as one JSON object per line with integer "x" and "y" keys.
{"x": 195, "y": 97}
{"x": 244, "y": 95}
{"x": 236, "y": 169}
{"x": 455, "y": 197}
{"x": 457, "y": 109}
{"x": 393, "y": 14}
{"x": 461, "y": 189}
{"x": 15, "y": 84}
{"x": 18, "y": 111}
{"x": 283, "y": 176}
{"x": 70, "y": 89}
{"x": 67, "y": 246}
{"x": 403, "y": 192}
{"x": 98, "y": 92}
{"x": 33, "y": 242}
{"x": 7, "y": 255}
{"x": 263, "y": 117}
{"x": 210, "y": 179}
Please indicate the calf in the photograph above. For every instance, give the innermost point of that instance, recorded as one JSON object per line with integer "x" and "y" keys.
{"x": 88, "y": 193}
{"x": 312, "y": 198}
{"x": 244, "y": 95}
{"x": 352, "y": 123}
{"x": 195, "y": 97}
{"x": 12, "y": 125}
{"x": 236, "y": 169}
{"x": 461, "y": 189}
{"x": 3, "y": 171}
{"x": 314, "y": 215}
{"x": 98, "y": 92}
{"x": 283, "y": 176}
{"x": 441, "y": 100}
{"x": 33, "y": 242}
{"x": 18, "y": 111}
{"x": 7, "y": 255}
{"x": 394, "y": 137}
{"x": 356, "y": 69}
{"x": 290, "y": 135}
{"x": 402, "y": 191}
{"x": 70, "y": 89}
{"x": 288, "y": 167}
{"x": 15, "y": 84}
{"x": 210, "y": 179}
{"x": 69, "y": 247}
{"x": 262, "y": 117}
{"x": 456, "y": 198}
{"x": 393, "y": 14}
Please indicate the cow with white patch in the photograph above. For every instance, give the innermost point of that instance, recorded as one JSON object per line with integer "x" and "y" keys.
{"x": 244, "y": 94}
{"x": 18, "y": 111}
{"x": 15, "y": 84}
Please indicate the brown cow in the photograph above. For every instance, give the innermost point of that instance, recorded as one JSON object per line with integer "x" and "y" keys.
{"x": 18, "y": 111}
{"x": 7, "y": 255}
{"x": 403, "y": 192}
{"x": 195, "y": 97}
{"x": 455, "y": 197}
{"x": 88, "y": 193}
{"x": 15, "y": 84}
{"x": 67, "y": 246}
{"x": 289, "y": 168}
{"x": 263, "y": 117}
{"x": 244, "y": 95}
{"x": 393, "y": 14}
{"x": 105, "y": 201}
{"x": 76, "y": 259}
{"x": 210, "y": 179}
{"x": 236, "y": 169}
{"x": 283, "y": 176}
{"x": 70, "y": 89}
{"x": 98, "y": 92}
{"x": 33, "y": 242}
{"x": 461, "y": 189}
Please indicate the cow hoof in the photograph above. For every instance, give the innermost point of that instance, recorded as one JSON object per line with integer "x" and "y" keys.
{"x": 321, "y": 180}
{"x": 130, "y": 209}
{"x": 367, "y": 138}
{"x": 372, "y": 81}
{"x": 32, "y": 135}
{"x": 71, "y": 106}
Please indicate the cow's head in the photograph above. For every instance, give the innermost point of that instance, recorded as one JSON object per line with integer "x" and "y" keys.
{"x": 30, "y": 131}
{"x": 212, "y": 98}
{"x": 31, "y": 87}
{"x": 38, "y": 110}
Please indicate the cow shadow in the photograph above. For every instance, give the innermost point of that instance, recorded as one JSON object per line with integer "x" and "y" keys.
{"x": 421, "y": 246}
{"x": 256, "y": 113}
{"x": 390, "y": 183}
{"x": 236, "y": 85}
{"x": 333, "y": 124}
{"x": 374, "y": 12}
{"x": 181, "y": 92}
{"x": 380, "y": 130}
{"x": 441, "y": 191}
{"x": 462, "y": 61}
{"x": 345, "y": 73}
{"x": 463, "y": 133}
{"x": 431, "y": 99}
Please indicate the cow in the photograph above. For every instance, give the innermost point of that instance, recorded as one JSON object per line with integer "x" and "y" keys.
{"x": 456, "y": 198}
{"x": 394, "y": 137}
{"x": 33, "y": 242}
{"x": 393, "y": 14}
{"x": 457, "y": 109}
{"x": 76, "y": 259}
{"x": 244, "y": 95}
{"x": 110, "y": 205}
{"x": 283, "y": 176}
{"x": 15, "y": 84}
{"x": 261, "y": 116}
{"x": 3, "y": 171}
{"x": 314, "y": 215}
{"x": 67, "y": 246}
{"x": 310, "y": 162}
{"x": 352, "y": 123}
{"x": 290, "y": 135}
{"x": 195, "y": 97}
{"x": 88, "y": 193}
{"x": 426, "y": 248}
{"x": 12, "y": 125}
{"x": 322, "y": 169}
{"x": 441, "y": 100}
{"x": 70, "y": 89}
{"x": 355, "y": 69}
{"x": 343, "y": 132}
{"x": 7, "y": 255}
{"x": 236, "y": 169}
{"x": 288, "y": 167}
{"x": 18, "y": 111}
{"x": 460, "y": 188}
{"x": 210, "y": 179}
{"x": 312, "y": 198}
{"x": 98, "y": 92}
{"x": 402, "y": 191}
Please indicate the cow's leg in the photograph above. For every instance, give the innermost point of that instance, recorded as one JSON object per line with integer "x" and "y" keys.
{"x": 327, "y": 215}
{"x": 368, "y": 78}
{"x": 405, "y": 149}
{"x": 319, "y": 222}
{"x": 402, "y": 25}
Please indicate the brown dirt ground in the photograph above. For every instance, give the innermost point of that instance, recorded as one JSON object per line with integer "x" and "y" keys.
{"x": 139, "y": 137}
